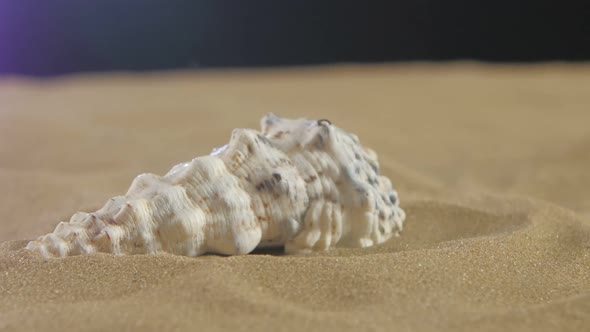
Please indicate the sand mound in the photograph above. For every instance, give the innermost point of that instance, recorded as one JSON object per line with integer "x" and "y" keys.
{"x": 491, "y": 164}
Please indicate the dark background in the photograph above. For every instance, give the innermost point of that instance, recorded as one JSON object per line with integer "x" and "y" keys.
{"x": 49, "y": 37}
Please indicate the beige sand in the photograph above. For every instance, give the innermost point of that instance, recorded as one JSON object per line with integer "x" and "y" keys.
{"x": 492, "y": 165}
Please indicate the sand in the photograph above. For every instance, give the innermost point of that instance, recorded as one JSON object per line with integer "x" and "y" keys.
{"x": 491, "y": 163}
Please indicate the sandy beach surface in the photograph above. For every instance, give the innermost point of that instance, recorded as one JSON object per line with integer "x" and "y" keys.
{"x": 492, "y": 164}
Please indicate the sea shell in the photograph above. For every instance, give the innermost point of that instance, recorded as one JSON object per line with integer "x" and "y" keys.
{"x": 302, "y": 184}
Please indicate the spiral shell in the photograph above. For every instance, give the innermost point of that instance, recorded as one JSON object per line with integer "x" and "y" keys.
{"x": 303, "y": 184}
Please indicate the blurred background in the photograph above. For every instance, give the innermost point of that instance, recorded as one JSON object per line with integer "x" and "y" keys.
{"x": 54, "y": 37}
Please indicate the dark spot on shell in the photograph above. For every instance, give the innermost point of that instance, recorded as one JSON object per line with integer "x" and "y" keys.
{"x": 279, "y": 134}
{"x": 357, "y": 156}
{"x": 392, "y": 198}
{"x": 311, "y": 179}
{"x": 324, "y": 122}
{"x": 381, "y": 215}
{"x": 277, "y": 176}
{"x": 375, "y": 168}
{"x": 250, "y": 148}
{"x": 266, "y": 185}
{"x": 320, "y": 142}
{"x": 263, "y": 139}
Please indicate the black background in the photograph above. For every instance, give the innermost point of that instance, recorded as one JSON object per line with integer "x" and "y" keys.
{"x": 49, "y": 37}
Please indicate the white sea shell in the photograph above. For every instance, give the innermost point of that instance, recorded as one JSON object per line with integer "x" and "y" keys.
{"x": 305, "y": 185}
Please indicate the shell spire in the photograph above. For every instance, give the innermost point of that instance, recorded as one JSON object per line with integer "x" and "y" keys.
{"x": 303, "y": 184}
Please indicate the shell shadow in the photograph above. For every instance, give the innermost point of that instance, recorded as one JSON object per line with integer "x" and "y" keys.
{"x": 273, "y": 251}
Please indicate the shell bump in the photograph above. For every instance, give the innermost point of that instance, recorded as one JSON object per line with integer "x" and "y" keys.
{"x": 303, "y": 184}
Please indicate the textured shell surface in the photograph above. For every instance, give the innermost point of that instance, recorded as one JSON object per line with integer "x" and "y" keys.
{"x": 303, "y": 184}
